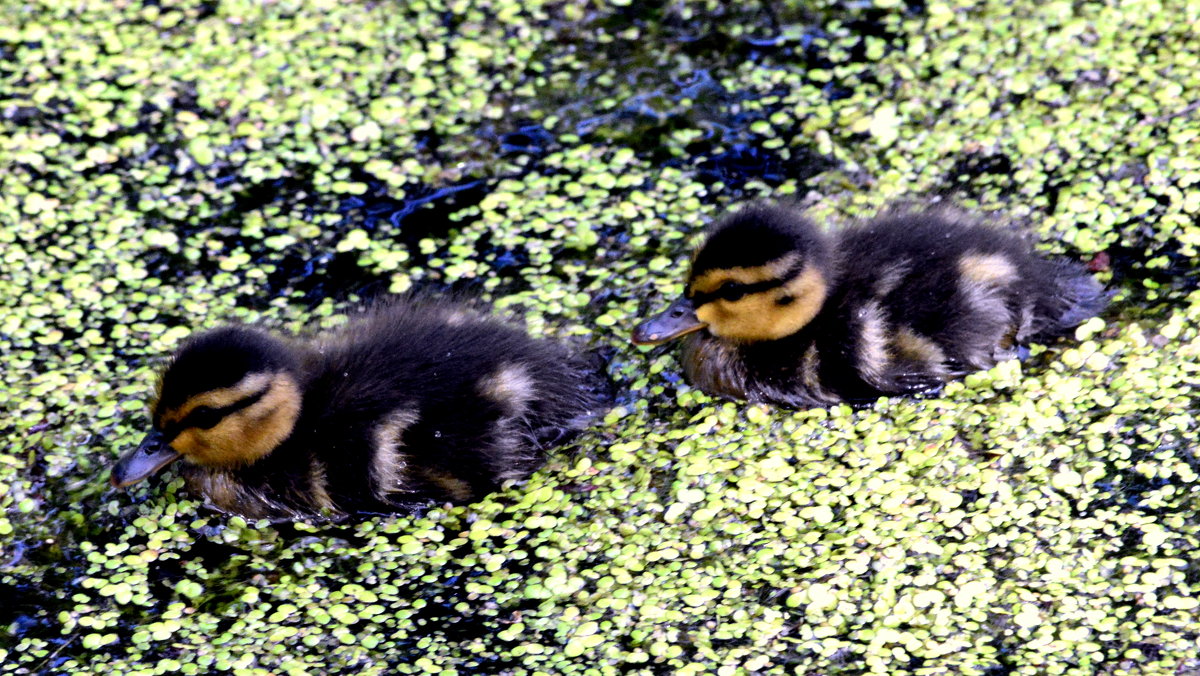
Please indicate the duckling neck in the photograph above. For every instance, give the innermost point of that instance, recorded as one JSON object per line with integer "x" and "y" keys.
{"x": 784, "y": 371}
{"x": 781, "y": 350}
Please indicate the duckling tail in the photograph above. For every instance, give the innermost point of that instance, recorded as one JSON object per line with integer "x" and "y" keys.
{"x": 591, "y": 396}
{"x": 1073, "y": 296}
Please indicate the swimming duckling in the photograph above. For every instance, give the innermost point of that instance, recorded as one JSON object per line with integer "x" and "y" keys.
{"x": 416, "y": 400}
{"x": 776, "y": 310}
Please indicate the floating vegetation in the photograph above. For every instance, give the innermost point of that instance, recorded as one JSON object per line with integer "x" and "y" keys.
{"x": 175, "y": 165}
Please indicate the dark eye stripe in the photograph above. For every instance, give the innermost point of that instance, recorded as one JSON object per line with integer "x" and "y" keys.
{"x": 740, "y": 290}
{"x": 200, "y": 414}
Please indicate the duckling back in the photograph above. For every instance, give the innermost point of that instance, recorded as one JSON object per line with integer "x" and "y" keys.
{"x": 445, "y": 403}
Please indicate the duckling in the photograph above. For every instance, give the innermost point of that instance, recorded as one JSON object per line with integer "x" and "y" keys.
{"x": 417, "y": 400}
{"x": 775, "y": 310}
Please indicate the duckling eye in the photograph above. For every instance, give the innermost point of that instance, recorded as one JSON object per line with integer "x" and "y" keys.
{"x": 204, "y": 417}
{"x": 732, "y": 291}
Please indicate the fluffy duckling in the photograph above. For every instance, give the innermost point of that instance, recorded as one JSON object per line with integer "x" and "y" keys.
{"x": 776, "y": 310}
{"x": 416, "y": 400}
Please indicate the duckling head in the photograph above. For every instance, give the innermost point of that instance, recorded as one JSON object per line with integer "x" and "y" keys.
{"x": 228, "y": 398}
{"x": 761, "y": 274}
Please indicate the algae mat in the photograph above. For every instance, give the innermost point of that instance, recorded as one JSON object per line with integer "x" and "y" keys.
{"x": 172, "y": 165}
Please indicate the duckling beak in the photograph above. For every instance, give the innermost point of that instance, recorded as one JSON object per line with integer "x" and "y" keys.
{"x": 150, "y": 456}
{"x": 678, "y": 319}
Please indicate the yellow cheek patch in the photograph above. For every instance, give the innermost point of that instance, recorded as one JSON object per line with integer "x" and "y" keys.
{"x": 761, "y": 316}
{"x": 987, "y": 268}
{"x": 221, "y": 398}
{"x": 244, "y": 436}
{"x": 712, "y": 280}
{"x": 711, "y": 312}
{"x": 187, "y": 443}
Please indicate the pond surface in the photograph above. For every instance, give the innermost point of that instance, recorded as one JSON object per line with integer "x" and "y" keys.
{"x": 175, "y": 165}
